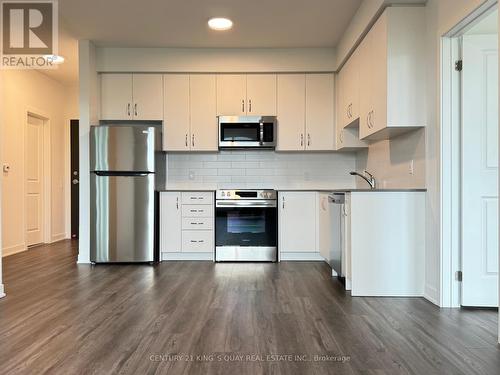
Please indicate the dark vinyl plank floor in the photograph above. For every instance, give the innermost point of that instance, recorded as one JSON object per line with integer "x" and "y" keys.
{"x": 205, "y": 318}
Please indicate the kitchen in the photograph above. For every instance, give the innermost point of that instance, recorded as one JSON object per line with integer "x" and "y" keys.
{"x": 235, "y": 187}
{"x": 249, "y": 164}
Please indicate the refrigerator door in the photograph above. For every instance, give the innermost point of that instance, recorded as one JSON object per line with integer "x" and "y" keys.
{"x": 122, "y": 148}
{"x": 122, "y": 218}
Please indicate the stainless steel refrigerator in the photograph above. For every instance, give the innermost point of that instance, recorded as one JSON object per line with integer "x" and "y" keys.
{"x": 124, "y": 169}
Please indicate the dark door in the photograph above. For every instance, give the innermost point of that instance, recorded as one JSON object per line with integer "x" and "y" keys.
{"x": 75, "y": 178}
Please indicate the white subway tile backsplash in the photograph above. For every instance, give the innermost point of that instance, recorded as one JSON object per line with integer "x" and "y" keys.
{"x": 260, "y": 169}
{"x": 245, "y": 164}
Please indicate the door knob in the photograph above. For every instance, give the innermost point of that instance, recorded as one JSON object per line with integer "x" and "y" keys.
{"x": 75, "y": 182}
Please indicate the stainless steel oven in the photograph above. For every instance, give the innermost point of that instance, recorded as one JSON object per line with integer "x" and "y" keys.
{"x": 246, "y": 226}
{"x": 247, "y": 132}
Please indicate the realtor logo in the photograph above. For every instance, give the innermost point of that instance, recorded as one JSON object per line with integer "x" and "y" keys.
{"x": 29, "y": 34}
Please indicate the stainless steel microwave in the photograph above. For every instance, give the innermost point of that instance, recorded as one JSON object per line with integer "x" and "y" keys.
{"x": 247, "y": 132}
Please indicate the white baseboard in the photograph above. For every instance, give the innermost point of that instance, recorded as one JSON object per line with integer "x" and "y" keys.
{"x": 308, "y": 257}
{"x": 11, "y": 250}
{"x": 431, "y": 295}
{"x": 187, "y": 256}
{"x": 2, "y": 291}
{"x": 58, "y": 237}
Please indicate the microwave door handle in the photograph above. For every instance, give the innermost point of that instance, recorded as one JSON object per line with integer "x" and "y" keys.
{"x": 261, "y": 133}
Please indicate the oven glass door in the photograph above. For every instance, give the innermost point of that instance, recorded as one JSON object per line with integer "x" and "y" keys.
{"x": 246, "y": 226}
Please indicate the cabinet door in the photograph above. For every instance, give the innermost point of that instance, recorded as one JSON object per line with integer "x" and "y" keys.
{"x": 231, "y": 95}
{"x": 341, "y": 97}
{"x": 298, "y": 222}
{"x": 325, "y": 226}
{"x": 319, "y": 112}
{"x": 261, "y": 94}
{"x": 116, "y": 97}
{"x": 203, "y": 109}
{"x": 170, "y": 222}
{"x": 291, "y": 111}
{"x": 176, "y": 135}
{"x": 148, "y": 96}
{"x": 365, "y": 86}
{"x": 351, "y": 87}
{"x": 378, "y": 63}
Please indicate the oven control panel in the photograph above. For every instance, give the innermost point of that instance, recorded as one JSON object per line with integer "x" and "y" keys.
{"x": 246, "y": 194}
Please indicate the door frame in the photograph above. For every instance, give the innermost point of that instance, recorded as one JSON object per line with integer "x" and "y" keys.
{"x": 46, "y": 175}
{"x": 450, "y": 158}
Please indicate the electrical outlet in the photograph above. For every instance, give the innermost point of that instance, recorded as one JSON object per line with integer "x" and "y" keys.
{"x": 412, "y": 168}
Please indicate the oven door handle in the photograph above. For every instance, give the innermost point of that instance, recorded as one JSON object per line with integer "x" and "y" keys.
{"x": 245, "y": 204}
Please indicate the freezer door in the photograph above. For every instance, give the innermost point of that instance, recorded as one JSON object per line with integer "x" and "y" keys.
{"x": 122, "y": 218}
{"x": 122, "y": 148}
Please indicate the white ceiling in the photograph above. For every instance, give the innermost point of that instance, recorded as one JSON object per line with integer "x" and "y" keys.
{"x": 66, "y": 73}
{"x": 183, "y": 23}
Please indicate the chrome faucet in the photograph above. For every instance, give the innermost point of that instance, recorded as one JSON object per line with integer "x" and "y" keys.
{"x": 370, "y": 179}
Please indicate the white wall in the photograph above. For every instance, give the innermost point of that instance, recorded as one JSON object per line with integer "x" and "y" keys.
{"x": 390, "y": 160}
{"x": 2, "y": 120}
{"x": 260, "y": 169}
{"x": 89, "y": 109}
{"x": 442, "y": 15}
{"x": 215, "y": 60}
{"x": 25, "y": 90}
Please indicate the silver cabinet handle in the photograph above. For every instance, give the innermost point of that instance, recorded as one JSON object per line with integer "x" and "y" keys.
{"x": 301, "y": 140}
{"x": 135, "y": 109}
{"x": 177, "y": 202}
{"x": 192, "y": 140}
{"x": 128, "y": 109}
{"x": 243, "y": 105}
{"x": 283, "y": 202}
{"x": 308, "y": 139}
{"x": 187, "y": 140}
{"x": 249, "y": 105}
{"x": 341, "y": 136}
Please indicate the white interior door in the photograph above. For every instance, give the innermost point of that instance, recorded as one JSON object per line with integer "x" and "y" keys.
{"x": 34, "y": 180}
{"x": 480, "y": 171}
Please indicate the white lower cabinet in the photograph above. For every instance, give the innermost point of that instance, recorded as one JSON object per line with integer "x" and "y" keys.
{"x": 187, "y": 229}
{"x": 298, "y": 225}
{"x": 170, "y": 222}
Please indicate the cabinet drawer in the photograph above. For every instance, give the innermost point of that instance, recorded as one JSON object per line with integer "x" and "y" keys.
{"x": 197, "y": 210}
{"x": 193, "y": 223}
{"x": 197, "y": 241}
{"x": 201, "y": 197}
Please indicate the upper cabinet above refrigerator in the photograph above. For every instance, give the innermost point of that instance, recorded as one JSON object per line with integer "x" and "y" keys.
{"x": 131, "y": 97}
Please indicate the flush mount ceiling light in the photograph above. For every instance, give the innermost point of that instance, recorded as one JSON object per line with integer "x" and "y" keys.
{"x": 220, "y": 23}
{"x": 54, "y": 59}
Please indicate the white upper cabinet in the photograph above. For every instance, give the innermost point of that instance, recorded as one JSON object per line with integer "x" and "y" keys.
{"x": 291, "y": 111}
{"x": 306, "y": 112}
{"x": 392, "y": 74}
{"x": 203, "y": 109}
{"x": 131, "y": 97}
{"x": 246, "y": 94}
{"x": 116, "y": 97}
{"x": 176, "y": 133}
{"x": 190, "y": 120}
{"x": 319, "y": 112}
{"x": 231, "y": 94}
{"x": 261, "y": 94}
{"x": 148, "y": 96}
{"x": 349, "y": 98}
